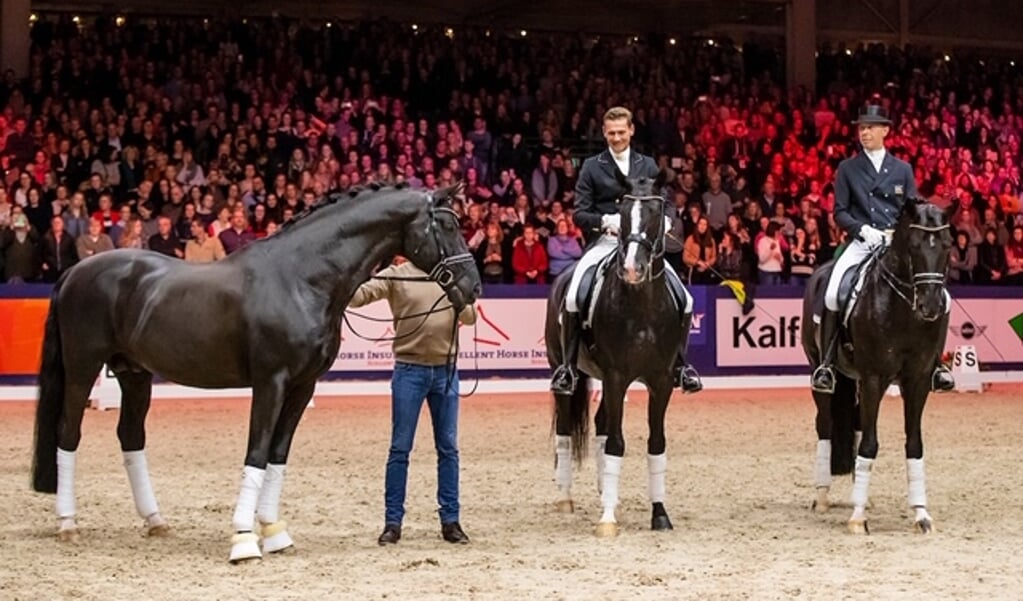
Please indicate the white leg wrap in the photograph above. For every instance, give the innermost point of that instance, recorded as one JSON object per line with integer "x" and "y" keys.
{"x": 268, "y": 508}
{"x": 857, "y": 437}
{"x": 65, "y": 483}
{"x": 598, "y": 455}
{"x": 861, "y": 487}
{"x": 822, "y": 467}
{"x": 657, "y": 468}
{"x": 141, "y": 488}
{"x": 563, "y": 466}
{"x": 609, "y": 494}
{"x": 917, "y": 482}
{"x": 245, "y": 510}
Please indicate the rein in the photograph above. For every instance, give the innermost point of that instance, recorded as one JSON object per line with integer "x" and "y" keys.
{"x": 924, "y": 278}
{"x": 656, "y": 248}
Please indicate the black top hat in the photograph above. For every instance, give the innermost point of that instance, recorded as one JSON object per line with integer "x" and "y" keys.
{"x": 873, "y": 113}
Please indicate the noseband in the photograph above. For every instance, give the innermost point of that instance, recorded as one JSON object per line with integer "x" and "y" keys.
{"x": 924, "y": 278}
{"x": 655, "y": 247}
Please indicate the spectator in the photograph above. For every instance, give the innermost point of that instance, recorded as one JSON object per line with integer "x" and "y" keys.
{"x": 700, "y": 254}
{"x": 93, "y": 241}
{"x": 165, "y": 241}
{"x": 238, "y": 235}
{"x": 19, "y": 251}
{"x": 544, "y": 184}
{"x": 770, "y": 252}
{"x": 490, "y": 255}
{"x": 991, "y": 260}
{"x": 963, "y": 260}
{"x": 1014, "y": 258}
{"x": 203, "y": 248}
{"x": 717, "y": 205}
{"x": 529, "y": 259}
{"x": 802, "y": 257}
{"x": 57, "y": 251}
{"x": 563, "y": 249}
{"x": 729, "y": 257}
{"x": 132, "y": 236}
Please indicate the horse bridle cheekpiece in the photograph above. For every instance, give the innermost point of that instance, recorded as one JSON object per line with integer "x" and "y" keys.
{"x": 656, "y": 246}
{"x": 924, "y": 278}
{"x": 443, "y": 272}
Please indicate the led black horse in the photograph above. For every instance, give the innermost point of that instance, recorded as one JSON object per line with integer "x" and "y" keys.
{"x": 895, "y": 333}
{"x": 635, "y": 335}
{"x": 268, "y": 316}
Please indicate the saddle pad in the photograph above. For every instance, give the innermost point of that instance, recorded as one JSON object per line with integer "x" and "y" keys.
{"x": 851, "y": 285}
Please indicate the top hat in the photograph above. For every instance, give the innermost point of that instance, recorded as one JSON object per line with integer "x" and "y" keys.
{"x": 873, "y": 113}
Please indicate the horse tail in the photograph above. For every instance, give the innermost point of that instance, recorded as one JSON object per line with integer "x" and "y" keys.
{"x": 50, "y": 408}
{"x": 843, "y": 426}
{"x": 576, "y": 408}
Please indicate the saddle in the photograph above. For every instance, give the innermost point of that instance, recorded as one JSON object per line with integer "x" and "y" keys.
{"x": 848, "y": 292}
{"x": 592, "y": 279}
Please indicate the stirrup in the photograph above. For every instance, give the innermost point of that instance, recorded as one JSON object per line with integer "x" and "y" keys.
{"x": 689, "y": 379}
{"x": 827, "y": 374}
{"x": 942, "y": 380}
{"x": 564, "y": 380}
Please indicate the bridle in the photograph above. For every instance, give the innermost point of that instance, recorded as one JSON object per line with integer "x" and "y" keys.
{"x": 654, "y": 247}
{"x": 923, "y": 278}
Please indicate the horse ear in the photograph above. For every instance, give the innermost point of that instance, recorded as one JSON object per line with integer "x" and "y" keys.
{"x": 622, "y": 180}
{"x": 659, "y": 181}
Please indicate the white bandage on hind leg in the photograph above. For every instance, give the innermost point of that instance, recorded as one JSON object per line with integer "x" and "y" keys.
{"x": 563, "y": 465}
{"x": 245, "y": 510}
{"x": 822, "y": 467}
{"x": 609, "y": 495}
{"x": 141, "y": 488}
{"x": 861, "y": 487}
{"x": 657, "y": 469}
{"x": 65, "y": 483}
{"x": 917, "y": 482}
{"x": 269, "y": 504}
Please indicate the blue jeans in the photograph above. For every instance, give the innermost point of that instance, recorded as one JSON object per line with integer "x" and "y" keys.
{"x": 770, "y": 278}
{"x": 410, "y": 384}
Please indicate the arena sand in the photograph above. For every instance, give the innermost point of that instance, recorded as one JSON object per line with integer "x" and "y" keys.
{"x": 738, "y": 491}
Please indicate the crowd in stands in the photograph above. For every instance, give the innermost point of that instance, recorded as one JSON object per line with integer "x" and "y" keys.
{"x": 194, "y": 137}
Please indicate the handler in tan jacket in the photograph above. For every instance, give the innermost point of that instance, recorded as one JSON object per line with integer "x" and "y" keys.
{"x": 424, "y": 368}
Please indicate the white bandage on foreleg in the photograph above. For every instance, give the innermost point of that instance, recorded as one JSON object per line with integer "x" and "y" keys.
{"x": 598, "y": 455}
{"x": 563, "y": 465}
{"x": 917, "y": 482}
{"x": 245, "y": 510}
{"x": 822, "y": 467}
{"x": 657, "y": 469}
{"x": 861, "y": 486}
{"x": 270, "y": 494}
{"x": 609, "y": 493}
{"x": 141, "y": 488}
{"x": 65, "y": 483}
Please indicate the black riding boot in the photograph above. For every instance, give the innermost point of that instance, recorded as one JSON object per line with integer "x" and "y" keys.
{"x": 565, "y": 377}
{"x": 823, "y": 378}
{"x": 685, "y": 374}
{"x": 942, "y": 379}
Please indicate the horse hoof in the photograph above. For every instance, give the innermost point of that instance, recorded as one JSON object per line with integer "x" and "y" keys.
{"x": 661, "y": 523}
{"x": 924, "y": 526}
{"x": 159, "y": 531}
{"x": 276, "y": 538}
{"x": 820, "y": 507}
{"x": 69, "y": 535}
{"x": 244, "y": 546}
{"x": 607, "y": 530}
{"x": 565, "y": 506}
{"x": 858, "y": 527}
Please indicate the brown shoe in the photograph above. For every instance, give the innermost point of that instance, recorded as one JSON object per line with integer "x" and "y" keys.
{"x": 390, "y": 536}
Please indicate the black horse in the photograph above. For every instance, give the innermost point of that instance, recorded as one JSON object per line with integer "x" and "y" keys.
{"x": 268, "y": 316}
{"x": 895, "y": 333}
{"x": 635, "y": 335}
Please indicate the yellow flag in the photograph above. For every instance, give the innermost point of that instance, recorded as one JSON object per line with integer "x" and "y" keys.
{"x": 737, "y": 289}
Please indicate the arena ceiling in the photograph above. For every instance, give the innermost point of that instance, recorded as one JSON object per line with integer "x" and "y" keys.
{"x": 951, "y": 23}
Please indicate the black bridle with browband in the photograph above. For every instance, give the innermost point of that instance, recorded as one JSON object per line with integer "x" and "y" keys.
{"x": 923, "y": 278}
{"x": 655, "y": 247}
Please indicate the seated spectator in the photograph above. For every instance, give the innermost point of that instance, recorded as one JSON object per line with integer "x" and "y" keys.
{"x": 700, "y": 254}
{"x": 490, "y": 255}
{"x": 963, "y": 260}
{"x": 124, "y": 215}
{"x": 133, "y": 236}
{"x": 238, "y": 235}
{"x": 106, "y": 213}
{"x": 563, "y": 249}
{"x": 76, "y": 219}
{"x": 991, "y": 264}
{"x": 165, "y": 242}
{"x": 529, "y": 259}
{"x": 203, "y": 248}
{"x": 221, "y": 223}
{"x": 19, "y": 251}
{"x": 1014, "y": 258}
{"x": 39, "y": 213}
{"x": 57, "y": 251}
{"x": 94, "y": 241}
{"x": 259, "y": 221}
{"x": 729, "y": 257}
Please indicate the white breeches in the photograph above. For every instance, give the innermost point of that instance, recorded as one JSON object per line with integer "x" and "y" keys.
{"x": 602, "y": 248}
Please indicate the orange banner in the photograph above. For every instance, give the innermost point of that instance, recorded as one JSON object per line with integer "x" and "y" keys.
{"x": 22, "y": 321}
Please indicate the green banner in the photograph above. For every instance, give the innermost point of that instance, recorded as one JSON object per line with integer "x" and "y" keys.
{"x": 1016, "y": 323}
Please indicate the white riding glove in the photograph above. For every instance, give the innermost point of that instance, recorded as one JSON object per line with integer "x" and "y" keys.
{"x": 874, "y": 238}
{"x": 611, "y": 224}
{"x": 667, "y": 224}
